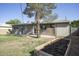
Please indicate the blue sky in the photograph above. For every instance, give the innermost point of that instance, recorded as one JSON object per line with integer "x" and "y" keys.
{"x": 11, "y": 11}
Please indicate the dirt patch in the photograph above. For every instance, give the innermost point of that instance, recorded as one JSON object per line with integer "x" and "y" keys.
{"x": 20, "y": 46}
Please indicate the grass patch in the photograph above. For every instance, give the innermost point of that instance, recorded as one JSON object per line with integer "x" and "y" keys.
{"x": 19, "y": 46}
{"x": 8, "y": 38}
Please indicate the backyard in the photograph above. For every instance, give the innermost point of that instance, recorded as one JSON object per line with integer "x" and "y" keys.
{"x": 19, "y": 46}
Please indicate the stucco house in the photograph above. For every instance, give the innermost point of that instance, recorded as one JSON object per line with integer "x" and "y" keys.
{"x": 4, "y": 29}
{"x": 51, "y": 28}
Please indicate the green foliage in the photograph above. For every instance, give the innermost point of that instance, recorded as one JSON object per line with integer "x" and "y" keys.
{"x": 42, "y": 8}
{"x": 75, "y": 23}
{"x": 50, "y": 18}
{"x": 13, "y": 22}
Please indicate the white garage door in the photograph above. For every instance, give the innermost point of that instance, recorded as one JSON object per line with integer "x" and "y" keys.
{"x": 62, "y": 29}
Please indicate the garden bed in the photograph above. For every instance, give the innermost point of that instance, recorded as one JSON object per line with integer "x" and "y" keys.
{"x": 57, "y": 47}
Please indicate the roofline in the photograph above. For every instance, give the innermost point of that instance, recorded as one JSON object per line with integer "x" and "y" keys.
{"x": 41, "y": 23}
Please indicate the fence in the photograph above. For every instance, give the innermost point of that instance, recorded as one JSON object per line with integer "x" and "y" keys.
{"x": 74, "y": 31}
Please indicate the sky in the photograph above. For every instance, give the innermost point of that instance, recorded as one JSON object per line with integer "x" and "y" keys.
{"x": 10, "y": 11}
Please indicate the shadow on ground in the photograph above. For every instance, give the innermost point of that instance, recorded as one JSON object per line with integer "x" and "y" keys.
{"x": 33, "y": 53}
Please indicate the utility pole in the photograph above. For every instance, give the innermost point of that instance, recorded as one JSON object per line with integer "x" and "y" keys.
{"x": 21, "y": 12}
{"x": 65, "y": 18}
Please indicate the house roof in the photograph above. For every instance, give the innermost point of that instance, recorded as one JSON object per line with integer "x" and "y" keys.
{"x": 48, "y": 22}
{"x": 5, "y": 25}
{"x": 55, "y": 21}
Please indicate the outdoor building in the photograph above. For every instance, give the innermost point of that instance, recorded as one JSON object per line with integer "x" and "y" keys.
{"x": 4, "y": 29}
{"x": 51, "y": 28}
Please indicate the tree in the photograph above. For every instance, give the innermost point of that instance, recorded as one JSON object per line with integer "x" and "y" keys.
{"x": 75, "y": 23}
{"x": 39, "y": 10}
{"x": 50, "y": 18}
{"x": 14, "y": 22}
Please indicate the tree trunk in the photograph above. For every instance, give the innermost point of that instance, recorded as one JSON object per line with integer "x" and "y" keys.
{"x": 38, "y": 29}
{"x": 37, "y": 18}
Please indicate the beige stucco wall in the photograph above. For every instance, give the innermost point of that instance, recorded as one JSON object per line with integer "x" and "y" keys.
{"x": 59, "y": 29}
{"x": 62, "y": 29}
{"x": 48, "y": 31}
{"x": 4, "y": 30}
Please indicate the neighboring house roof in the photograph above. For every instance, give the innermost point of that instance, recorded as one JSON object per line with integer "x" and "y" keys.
{"x": 5, "y": 25}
